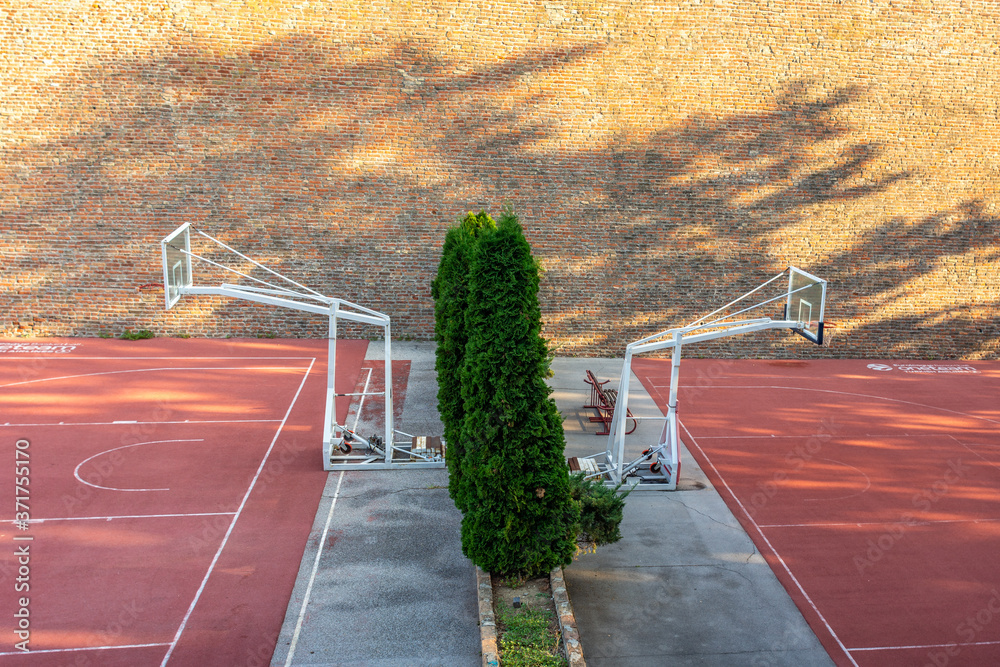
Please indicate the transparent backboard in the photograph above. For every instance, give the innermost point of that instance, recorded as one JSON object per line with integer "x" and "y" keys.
{"x": 176, "y": 263}
{"x": 806, "y": 303}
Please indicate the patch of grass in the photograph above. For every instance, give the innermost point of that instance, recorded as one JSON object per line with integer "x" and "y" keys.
{"x": 527, "y": 638}
{"x": 269, "y": 334}
{"x": 141, "y": 334}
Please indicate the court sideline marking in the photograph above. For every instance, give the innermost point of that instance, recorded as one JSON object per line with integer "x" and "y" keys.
{"x": 770, "y": 546}
{"x": 326, "y": 530}
{"x": 143, "y": 423}
{"x": 145, "y": 370}
{"x": 236, "y": 517}
{"x": 85, "y": 648}
{"x": 125, "y": 516}
{"x": 312, "y": 575}
{"x": 830, "y": 391}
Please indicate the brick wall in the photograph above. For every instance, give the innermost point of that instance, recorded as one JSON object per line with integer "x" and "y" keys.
{"x": 662, "y": 156}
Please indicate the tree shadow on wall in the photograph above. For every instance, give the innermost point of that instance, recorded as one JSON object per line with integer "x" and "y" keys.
{"x": 343, "y": 171}
{"x": 926, "y": 285}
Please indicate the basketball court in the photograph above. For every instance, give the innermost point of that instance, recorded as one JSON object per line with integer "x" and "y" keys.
{"x": 163, "y": 495}
{"x": 872, "y": 489}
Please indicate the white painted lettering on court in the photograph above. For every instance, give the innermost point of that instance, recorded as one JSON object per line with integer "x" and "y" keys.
{"x": 924, "y": 368}
{"x": 36, "y": 348}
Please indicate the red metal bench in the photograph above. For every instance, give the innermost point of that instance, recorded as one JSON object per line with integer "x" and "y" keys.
{"x": 603, "y": 401}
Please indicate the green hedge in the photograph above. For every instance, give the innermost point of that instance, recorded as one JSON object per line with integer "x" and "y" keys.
{"x": 519, "y": 516}
{"x": 450, "y": 291}
{"x": 522, "y": 513}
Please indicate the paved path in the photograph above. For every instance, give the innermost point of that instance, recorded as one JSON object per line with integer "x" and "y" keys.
{"x": 392, "y": 588}
{"x": 685, "y": 586}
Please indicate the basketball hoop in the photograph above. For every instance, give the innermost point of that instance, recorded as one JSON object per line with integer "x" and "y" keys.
{"x": 803, "y": 301}
{"x": 149, "y": 292}
{"x": 342, "y": 449}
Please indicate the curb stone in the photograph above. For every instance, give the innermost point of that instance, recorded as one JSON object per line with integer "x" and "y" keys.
{"x": 567, "y": 621}
{"x": 564, "y": 610}
{"x": 487, "y": 622}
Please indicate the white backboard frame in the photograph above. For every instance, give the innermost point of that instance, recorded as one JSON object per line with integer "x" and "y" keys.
{"x": 178, "y": 280}
{"x": 612, "y": 465}
{"x": 177, "y": 275}
{"x": 803, "y": 305}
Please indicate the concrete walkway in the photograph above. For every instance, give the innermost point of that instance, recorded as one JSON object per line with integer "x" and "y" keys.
{"x": 390, "y": 586}
{"x": 685, "y": 585}
{"x": 383, "y": 582}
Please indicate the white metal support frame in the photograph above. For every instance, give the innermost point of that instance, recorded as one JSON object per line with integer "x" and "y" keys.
{"x": 662, "y": 460}
{"x": 339, "y": 443}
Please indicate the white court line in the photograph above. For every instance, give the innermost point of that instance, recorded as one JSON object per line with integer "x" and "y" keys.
{"x": 975, "y": 453}
{"x": 122, "y": 516}
{"x": 76, "y": 470}
{"x": 868, "y": 484}
{"x": 322, "y": 540}
{"x": 812, "y": 434}
{"x": 899, "y": 648}
{"x": 312, "y": 575}
{"x": 61, "y": 357}
{"x": 361, "y": 403}
{"x": 770, "y": 546}
{"x": 83, "y": 648}
{"x": 148, "y": 370}
{"x": 119, "y": 423}
{"x": 236, "y": 517}
{"x": 852, "y": 393}
{"x": 859, "y": 524}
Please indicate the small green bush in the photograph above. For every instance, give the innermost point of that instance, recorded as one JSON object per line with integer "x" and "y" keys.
{"x": 141, "y": 334}
{"x": 601, "y": 509}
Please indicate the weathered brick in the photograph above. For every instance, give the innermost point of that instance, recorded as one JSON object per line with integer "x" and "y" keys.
{"x": 663, "y": 158}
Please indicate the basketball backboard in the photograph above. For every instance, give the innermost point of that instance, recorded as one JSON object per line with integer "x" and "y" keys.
{"x": 806, "y": 303}
{"x": 176, "y": 263}
{"x": 803, "y": 305}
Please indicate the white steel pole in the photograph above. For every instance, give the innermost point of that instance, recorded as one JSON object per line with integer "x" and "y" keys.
{"x": 675, "y": 374}
{"x": 618, "y": 419}
{"x": 388, "y": 393}
{"x": 331, "y": 368}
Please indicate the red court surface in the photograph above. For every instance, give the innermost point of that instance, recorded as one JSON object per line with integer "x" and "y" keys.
{"x": 169, "y": 487}
{"x": 872, "y": 489}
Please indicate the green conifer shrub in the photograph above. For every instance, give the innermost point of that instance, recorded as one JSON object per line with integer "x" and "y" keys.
{"x": 520, "y": 518}
{"x": 450, "y": 290}
{"x": 601, "y": 509}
